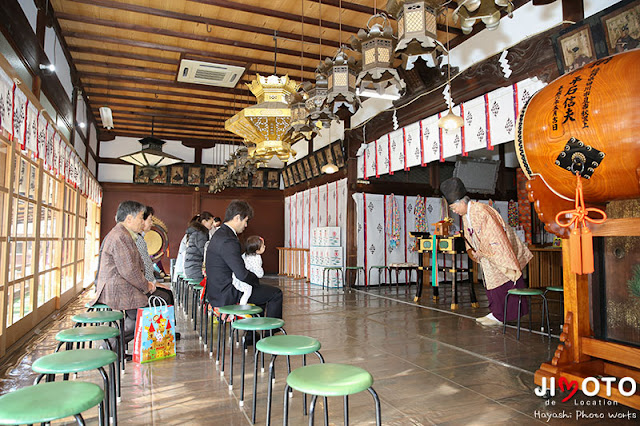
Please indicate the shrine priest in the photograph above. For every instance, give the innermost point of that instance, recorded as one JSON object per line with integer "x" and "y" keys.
{"x": 495, "y": 246}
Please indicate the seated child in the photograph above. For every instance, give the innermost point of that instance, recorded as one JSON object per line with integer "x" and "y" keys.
{"x": 253, "y": 262}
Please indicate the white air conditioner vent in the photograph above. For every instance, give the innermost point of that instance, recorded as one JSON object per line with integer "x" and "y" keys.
{"x": 209, "y": 73}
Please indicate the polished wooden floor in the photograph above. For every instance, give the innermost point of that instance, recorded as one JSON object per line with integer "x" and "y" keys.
{"x": 430, "y": 365}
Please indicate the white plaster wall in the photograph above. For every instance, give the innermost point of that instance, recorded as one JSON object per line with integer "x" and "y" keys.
{"x": 219, "y": 154}
{"x": 115, "y": 173}
{"x": 326, "y": 136}
{"x": 30, "y": 11}
{"x": 80, "y": 147}
{"x": 591, "y": 7}
{"x": 369, "y": 108}
{"x": 301, "y": 148}
{"x": 54, "y": 52}
{"x": 93, "y": 140}
{"x": 91, "y": 165}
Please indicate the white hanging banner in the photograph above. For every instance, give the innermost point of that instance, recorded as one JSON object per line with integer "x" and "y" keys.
{"x": 299, "y": 219}
{"x": 31, "y": 141}
{"x": 20, "y": 105}
{"x": 525, "y": 89}
{"x": 430, "y": 139}
{"x": 287, "y": 222}
{"x": 43, "y": 124}
{"x": 306, "y": 225}
{"x": 58, "y": 143}
{"x": 313, "y": 207}
{"x": 375, "y": 234}
{"x": 475, "y": 121}
{"x": 370, "y": 160}
{"x": 332, "y": 204}
{"x": 396, "y": 150}
{"x": 51, "y": 131}
{"x": 361, "y": 242}
{"x": 382, "y": 159}
{"x": 501, "y": 115}
{"x": 412, "y": 142}
{"x": 360, "y": 167}
{"x": 6, "y": 101}
{"x": 452, "y": 139}
{"x": 410, "y": 225}
{"x": 322, "y": 206}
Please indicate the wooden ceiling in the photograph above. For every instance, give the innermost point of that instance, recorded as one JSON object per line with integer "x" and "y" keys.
{"x": 127, "y": 53}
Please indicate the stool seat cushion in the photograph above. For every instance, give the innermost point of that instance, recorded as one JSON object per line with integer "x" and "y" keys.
{"x": 88, "y": 305}
{"x": 74, "y": 361}
{"x": 525, "y": 291}
{"x": 330, "y": 379}
{"x": 198, "y": 287}
{"x": 240, "y": 310}
{"x": 98, "y": 317}
{"x": 353, "y": 267}
{"x": 555, "y": 288}
{"x": 48, "y": 401}
{"x": 288, "y": 345}
{"x": 258, "y": 324}
{"x": 87, "y": 334}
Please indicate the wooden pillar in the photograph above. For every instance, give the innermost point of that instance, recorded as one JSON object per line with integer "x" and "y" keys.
{"x": 576, "y": 296}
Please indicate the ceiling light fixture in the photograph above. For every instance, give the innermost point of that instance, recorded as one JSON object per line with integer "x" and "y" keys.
{"x": 50, "y": 67}
{"x": 151, "y": 157}
{"x": 106, "y": 117}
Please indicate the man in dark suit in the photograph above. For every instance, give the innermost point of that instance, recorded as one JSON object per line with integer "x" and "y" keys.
{"x": 224, "y": 258}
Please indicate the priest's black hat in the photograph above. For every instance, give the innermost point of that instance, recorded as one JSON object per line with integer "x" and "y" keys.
{"x": 453, "y": 190}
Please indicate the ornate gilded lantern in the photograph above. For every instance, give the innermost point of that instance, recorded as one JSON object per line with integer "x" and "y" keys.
{"x": 266, "y": 123}
{"x": 416, "y": 30}
{"x": 341, "y": 77}
{"x": 378, "y": 78}
{"x": 487, "y": 11}
{"x": 319, "y": 115}
{"x": 300, "y": 126}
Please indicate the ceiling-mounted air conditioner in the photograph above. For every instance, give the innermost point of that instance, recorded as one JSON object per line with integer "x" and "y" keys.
{"x": 209, "y": 73}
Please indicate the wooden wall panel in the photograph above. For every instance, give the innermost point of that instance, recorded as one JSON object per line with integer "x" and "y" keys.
{"x": 176, "y": 205}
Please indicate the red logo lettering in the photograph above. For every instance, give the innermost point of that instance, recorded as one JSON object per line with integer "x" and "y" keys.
{"x": 565, "y": 385}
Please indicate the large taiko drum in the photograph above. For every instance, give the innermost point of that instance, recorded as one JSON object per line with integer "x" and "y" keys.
{"x": 587, "y": 121}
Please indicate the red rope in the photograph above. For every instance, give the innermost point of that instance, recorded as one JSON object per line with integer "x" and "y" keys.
{"x": 364, "y": 209}
{"x": 389, "y": 154}
{"x": 440, "y": 135}
{"x": 464, "y": 148}
{"x": 422, "y": 163}
{"x": 487, "y": 114}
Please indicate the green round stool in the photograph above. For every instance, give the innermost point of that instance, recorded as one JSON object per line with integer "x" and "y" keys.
{"x": 286, "y": 345}
{"x": 49, "y": 401}
{"x": 232, "y": 311}
{"x": 83, "y": 360}
{"x": 252, "y": 325}
{"x": 380, "y": 269}
{"x": 358, "y": 269}
{"x": 526, "y": 292}
{"x": 90, "y": 334}
{"x": 196, "y": 306}
{"x": 190, "y": 283}
{"x": 330, "y": 380}
{"x": 326, "y": 271}
{"x": 104, "y": 317}
{"x": 96, "y": 307}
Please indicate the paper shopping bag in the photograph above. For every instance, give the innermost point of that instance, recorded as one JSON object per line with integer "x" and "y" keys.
{"x": 155, "y": 332}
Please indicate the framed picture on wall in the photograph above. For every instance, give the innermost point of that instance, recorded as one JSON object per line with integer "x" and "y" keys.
{"x": 329, "y": 155}
{"x": 320, "y": 159}
{"x": 193, "y": 178}
{"x": 290, "y": 176}
{"x": 257, "y": 180}
{"x": 574, "y": 49}
{"x": 210, "y": 175}
{"x": 296, "y": 175}
{"x": 285, "y": 179}
{"x": 138, "y": 176}
{"x": 622, "y": 28}
{"x": 301, "y": 172}
{"x": 273, "y": 179}
{"x": 307, "y": 167}
{"x": 162, "y": 176}
{"x": 337, "y": 154}
{"x": 243, "y": 181}
{"x": 177, "y": 175}
{"x": 315, "y": 170}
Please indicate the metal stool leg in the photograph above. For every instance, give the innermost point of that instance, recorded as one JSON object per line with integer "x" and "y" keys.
{"x": 519, "y": 308}
{"x": 504, "y": 318}
{"x": 377, "y": 402}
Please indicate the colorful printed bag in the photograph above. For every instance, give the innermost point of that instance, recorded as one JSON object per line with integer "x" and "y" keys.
{"x": 155, "y": 336}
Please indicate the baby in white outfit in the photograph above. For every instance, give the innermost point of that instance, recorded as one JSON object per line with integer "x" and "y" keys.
{"x": 253, "y": 262}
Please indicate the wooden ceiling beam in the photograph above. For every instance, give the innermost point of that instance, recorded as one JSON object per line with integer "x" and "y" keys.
{"x": 167, "y": 83}
{"x": 164, "y": 129}
{"x": 349, "y": 6}
{"x": 136, "y": 116}
{"x": 94, "y": 95}
{"x": 179, "y": 34}
{"x": 171, "y": 124}
{"x": 115, "y": 66}
{"x": 164, "y": 109}
{"x": 126, "y": 55}
{"x": 163, "y": 115}
{"x": 277, "y": 14}
{"x": 90, "y": 86}
{"x": 168, "y": 135}
{"x": 204, "y": 20}
{"x": 157, "y": 46}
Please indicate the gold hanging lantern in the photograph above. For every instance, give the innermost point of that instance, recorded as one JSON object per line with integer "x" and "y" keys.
{"x": 487, "y": 11}
{"x": 416, "y": 30}
{"x": 266, "y": 123}
{"x": 378, "y": 78}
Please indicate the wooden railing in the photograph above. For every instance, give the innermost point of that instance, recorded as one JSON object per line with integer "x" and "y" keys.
{"x": 292, "y": 261}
